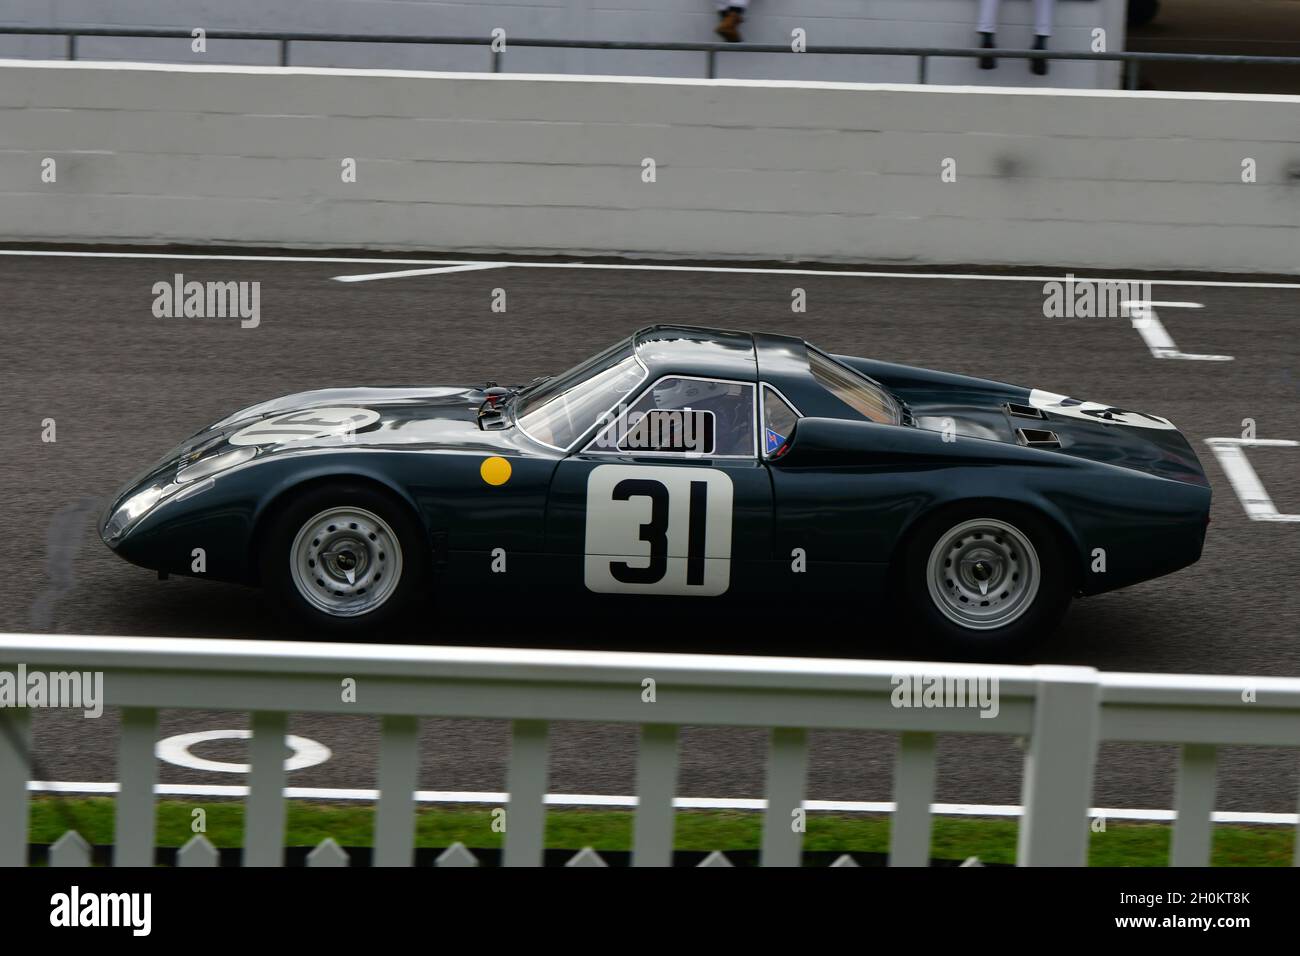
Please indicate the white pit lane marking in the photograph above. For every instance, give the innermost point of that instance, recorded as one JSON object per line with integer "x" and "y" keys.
{"x": 1143, "y": 316}
{"x": 1241, "y": 474}
{"x": 443, "y": 270}
{"x": 176, "y": 750}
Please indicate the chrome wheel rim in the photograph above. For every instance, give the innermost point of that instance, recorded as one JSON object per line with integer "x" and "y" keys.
{"x": 983, "y": 574}
{"x": 346, "y": 562}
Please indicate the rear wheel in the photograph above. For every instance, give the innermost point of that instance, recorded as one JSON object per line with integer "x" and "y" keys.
{"x": 344, "y": 558}
{"x": 985, "y": 581}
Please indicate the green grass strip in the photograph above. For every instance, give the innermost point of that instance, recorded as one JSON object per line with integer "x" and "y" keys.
{"x": 992, "y": 840}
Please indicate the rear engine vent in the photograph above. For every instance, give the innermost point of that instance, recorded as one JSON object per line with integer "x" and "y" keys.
{"x": 1024, "y": 411}
{"x": 1037, "y": 438}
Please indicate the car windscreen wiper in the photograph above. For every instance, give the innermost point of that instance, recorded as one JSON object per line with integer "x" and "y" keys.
{"x": 540, "y": 380}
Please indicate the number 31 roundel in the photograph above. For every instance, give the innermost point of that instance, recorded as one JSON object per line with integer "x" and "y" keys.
{"x": 658, "y": 530}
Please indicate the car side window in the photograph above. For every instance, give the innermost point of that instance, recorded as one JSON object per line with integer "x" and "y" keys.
{"x": 685, "y": 416}
{"x": 778, "y": 420}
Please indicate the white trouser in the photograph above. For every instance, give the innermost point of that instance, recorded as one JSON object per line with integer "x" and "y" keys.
{"x": 1042, "y": 17}
{"x": 742, "y": 4}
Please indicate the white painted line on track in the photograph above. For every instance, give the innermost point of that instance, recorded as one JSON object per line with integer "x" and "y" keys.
{"x": 176, "y": 750}
{"x": 368, "y": 73}
{"x": 860, "y": 274}
{"x": 679, "y": 803}
{"x": 1241, "y": 474}
{"x": 1143, "y": 316}
{"x": 658, "y": 267}
{"x": 467, "y": 267}
{"x": 364, "y": 260}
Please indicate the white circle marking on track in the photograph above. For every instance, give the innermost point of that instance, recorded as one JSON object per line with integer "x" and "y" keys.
{"x": 176, "y": 750}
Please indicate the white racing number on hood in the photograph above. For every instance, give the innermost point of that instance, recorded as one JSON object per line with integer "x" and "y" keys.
{"x": 1095, "y": 411}
{"x": 309, "y": 424}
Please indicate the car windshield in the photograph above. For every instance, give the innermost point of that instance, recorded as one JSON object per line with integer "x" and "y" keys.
{"x": 560, "y": 410}
{"x": 854, "y": 389}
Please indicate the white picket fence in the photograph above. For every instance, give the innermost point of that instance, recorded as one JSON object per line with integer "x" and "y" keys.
{"x": 1062, "y": 712}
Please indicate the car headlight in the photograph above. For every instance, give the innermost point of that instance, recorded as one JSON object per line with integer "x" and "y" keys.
{"x": 206, "y": 467}
{"x": 190, "y": 479}
{"x": 132, "y": 509}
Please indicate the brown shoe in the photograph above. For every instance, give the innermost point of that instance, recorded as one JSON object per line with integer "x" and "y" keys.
{"x": 729, "y": 27}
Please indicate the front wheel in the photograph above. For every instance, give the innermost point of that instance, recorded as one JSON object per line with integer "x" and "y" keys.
{"x": 985, "y": 581}
{"x": 343, "y": 558}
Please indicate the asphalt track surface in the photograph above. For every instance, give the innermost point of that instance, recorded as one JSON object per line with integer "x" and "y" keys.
{"x": 79, "y": 344}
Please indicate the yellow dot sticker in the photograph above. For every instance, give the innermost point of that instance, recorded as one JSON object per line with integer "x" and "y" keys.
{"x": 495, "y": 471}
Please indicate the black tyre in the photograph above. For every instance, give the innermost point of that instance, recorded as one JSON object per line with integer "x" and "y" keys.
{"x": 344, "y": 558}
{"x": 984, "y": 581}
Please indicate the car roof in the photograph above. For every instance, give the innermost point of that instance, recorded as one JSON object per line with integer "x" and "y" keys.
{"x": 779, "y": 360}
{"x": 721, "y": 353}
{"x": 690, "y": 350}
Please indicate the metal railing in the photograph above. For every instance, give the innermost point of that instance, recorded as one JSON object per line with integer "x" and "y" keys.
{"x": 1064, "y": 712}
{"x": 1130, "y": 60}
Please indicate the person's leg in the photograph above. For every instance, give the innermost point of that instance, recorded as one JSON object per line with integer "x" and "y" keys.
{"x": 987, "y": 26}
{"x": 1043, "y": 10}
